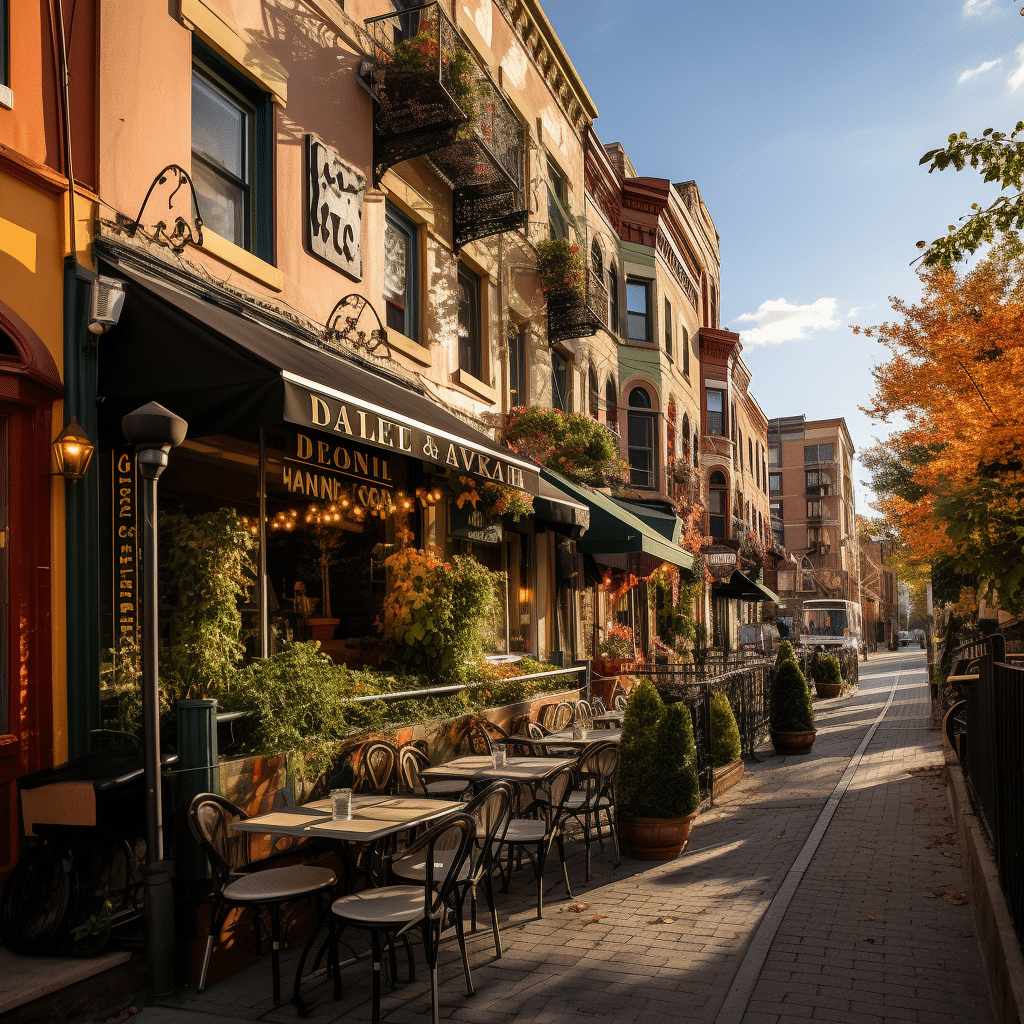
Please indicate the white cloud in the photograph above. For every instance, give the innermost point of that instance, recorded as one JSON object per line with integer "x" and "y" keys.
{"x": 979, "y": 70}
{"x": 778, "y": 320}
{"x": 1016, "y": 78}
{"x": 975, "y": 7}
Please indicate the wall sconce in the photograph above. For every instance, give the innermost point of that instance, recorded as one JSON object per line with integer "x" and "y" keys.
{"x": 73, "y": 451}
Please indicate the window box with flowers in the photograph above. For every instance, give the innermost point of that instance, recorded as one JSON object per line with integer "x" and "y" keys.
{"x": 576, "y": 296}
{"x": 617, "y": 651}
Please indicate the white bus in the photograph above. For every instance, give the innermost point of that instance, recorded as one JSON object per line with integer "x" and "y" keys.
{"x": 830, "y": 623}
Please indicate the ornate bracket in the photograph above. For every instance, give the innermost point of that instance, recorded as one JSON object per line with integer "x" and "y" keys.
{"x": 181, "y": 233}
{"x": 350, "y": 309}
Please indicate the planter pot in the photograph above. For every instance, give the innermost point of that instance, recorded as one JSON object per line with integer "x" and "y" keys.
{"x": 655, "y": 838}
{"x": 793, "y": 742}
{"x": 829, "y": 690}
{"x": 727, "y": 776}
{"x": 322, "y": 629}
{"x": 605, "y": 689}
{"x": 616, "y": 666}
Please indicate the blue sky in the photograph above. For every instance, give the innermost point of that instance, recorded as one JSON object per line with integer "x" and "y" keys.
{"x": 802, "y": 122}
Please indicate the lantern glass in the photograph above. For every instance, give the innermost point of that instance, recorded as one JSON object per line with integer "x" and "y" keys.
{"x": 72, "y": 450}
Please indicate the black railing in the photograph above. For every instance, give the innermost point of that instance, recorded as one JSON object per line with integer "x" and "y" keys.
{"x": 435, "y": 99}
{"x": 572, "y": 315}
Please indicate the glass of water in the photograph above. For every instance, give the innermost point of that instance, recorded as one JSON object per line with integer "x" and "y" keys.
{"x": 498, "y": 757}
{"x": 341, "y": 804}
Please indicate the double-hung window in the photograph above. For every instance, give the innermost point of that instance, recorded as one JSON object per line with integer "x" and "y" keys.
{"x": 640, "y": 440}
{"x": 232, "y": 153}
{"x": 560, "y": 383}
{"x": 774, "y": 483}
{"x": 470, "y": 336}
{"x": 558, "y": 201}
{"x": 517, "y": 366}
{"x": 716, "y": 411}
{"x": 668, "y": 328}
{"x": 638, "y": 321}
{"x": 401, "y": 273}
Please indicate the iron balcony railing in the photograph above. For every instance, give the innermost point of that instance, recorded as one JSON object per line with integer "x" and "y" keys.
{"x": 575, "y": 315}
{"x": 435, "y": 99}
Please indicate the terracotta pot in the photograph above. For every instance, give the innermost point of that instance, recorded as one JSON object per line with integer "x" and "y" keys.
{"x": 829, "y": 689}
{"x": 655, "y": 838}
{"x": 727, "y": 776}
{"x": 322, "y": 629}
{"x": 793, "y": 742}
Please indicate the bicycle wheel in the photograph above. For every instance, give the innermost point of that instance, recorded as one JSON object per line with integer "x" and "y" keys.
{"x": 35, "y": 901}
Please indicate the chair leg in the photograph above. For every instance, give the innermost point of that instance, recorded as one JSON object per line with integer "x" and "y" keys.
{"x": 275, "y": 948}
{"x": 565, "y": 867}
{"x": 460, "y": 934}
{"x": 393, "y": 962}
{"x": 586, "y": 843}
{"x": 431, "y": 940}
{"x": 334, "y": 938}
{"x": 472, "y": 909}
{"x": 300, "y": 1006}
{"x": 613, "y": 827}
{"x": 489, "y": 893}
{"x": 541, "y": 858}
{"x": 218, "y": 913}
{"x": 376, "y": 952}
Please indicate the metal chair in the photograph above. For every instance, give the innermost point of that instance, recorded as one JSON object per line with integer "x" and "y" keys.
{"x": 490, "y": 809}
{"x": 411, "y": 761}
{"x": 209, "y": 817}
{"x": 598, "y": 706}
{"x": 595, "y": 792}
{"x": 583, "y": 713}
{"x": 620, "y": 702}
{"x": 474, "y": 738}
{"x": 376, "y": 768}
{"x": 393, "y": 910}
{"x": 542, "y": 831}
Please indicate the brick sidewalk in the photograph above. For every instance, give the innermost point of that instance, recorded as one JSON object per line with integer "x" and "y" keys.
{"x": 868, "y": 936}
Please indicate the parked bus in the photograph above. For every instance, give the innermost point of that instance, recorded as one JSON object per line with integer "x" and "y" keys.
{"x": 830, "y": 623}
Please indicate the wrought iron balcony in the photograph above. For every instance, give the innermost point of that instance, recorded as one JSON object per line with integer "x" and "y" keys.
{"x": 572, "y": 315}
{"x": 435, "y": 99}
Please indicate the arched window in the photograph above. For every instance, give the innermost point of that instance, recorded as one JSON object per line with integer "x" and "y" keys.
{"x": 696, "y": 450}
{"x": 740, "y": 446}
{"x": 611, "y": 401}
{"x": 592, "y": 392}
{"x": 613, "y": 298}
{"x": 640, "y": 440}
{"x": 670, "y": 430}
{"x": 718, "y": 504}
{"x": 684, "y": 341}
{"x": 597, "y": 260}
{"x": 686, "y": 436}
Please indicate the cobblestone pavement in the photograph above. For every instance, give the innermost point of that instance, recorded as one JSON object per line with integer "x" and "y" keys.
{"x": 879, "y": 927}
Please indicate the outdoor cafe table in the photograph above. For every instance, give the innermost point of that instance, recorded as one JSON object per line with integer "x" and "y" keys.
{"x": 480, "y": 768}
{"x": 562, "y": 739}
{"x": 609, "y": 720}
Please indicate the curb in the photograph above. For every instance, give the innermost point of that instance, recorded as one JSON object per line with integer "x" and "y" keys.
{"x": 1004, "y": 962}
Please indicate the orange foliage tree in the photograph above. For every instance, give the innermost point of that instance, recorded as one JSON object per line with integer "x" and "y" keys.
{"x": 950, "y": 479}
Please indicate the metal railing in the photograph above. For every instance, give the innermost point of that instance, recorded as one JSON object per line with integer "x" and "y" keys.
{"x": 569, "y": 317}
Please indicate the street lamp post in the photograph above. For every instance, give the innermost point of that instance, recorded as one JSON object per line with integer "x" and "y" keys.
{"x": 154, "y": 430}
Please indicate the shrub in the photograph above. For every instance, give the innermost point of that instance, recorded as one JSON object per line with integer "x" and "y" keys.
{"x": 657, "y": 766}
{"x": 785, "y": 654}
{"x": 791, "y": 709}
{"x": 725, "y": 733}
{"x": 828, "y": 672}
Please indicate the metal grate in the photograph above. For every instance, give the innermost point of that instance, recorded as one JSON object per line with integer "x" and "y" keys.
{"x": 568, "y": 317}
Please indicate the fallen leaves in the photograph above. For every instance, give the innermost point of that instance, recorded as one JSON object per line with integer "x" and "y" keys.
{"x": 886, "y": 888}
{"x": 923, "y": 803}
{"x": 949, "y": 839}
{"x": 871, "y": 917}
{"x": 597, "y": 917}
{"x": 574, "y": 908}
{"x": 664, "y": 920}
{"x": 958, "y": 899}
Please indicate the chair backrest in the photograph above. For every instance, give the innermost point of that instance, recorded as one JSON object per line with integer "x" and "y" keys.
{"x": 598, "y": 705}
{"x": 474, "y": 738}
{"x": 209, "y": 818}
{"x": 552, "y": 793}
{"x": 583, "y": 713}
{"x": 620, "y": 702}
{"x": 376, "y": 770}
{"x": 546, "y": 714}
{"x": 535, "y": 731}
{"x": 493, "y": 730}
{"x": 596, "y": 767}
{"x": 560, "y": 717}
{"x": 446, "y": 846}
{"x": 491, "y": 809}
{"x": 411, "y": 761}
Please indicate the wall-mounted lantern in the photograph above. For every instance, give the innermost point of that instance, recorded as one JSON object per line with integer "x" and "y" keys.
{"x": 73, "y": 451}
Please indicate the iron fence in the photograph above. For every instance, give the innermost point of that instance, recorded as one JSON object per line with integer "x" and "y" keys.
{"x": 994, "y": 764}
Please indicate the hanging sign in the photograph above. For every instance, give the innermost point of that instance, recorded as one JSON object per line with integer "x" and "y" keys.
{"x": 334, "y": 219}
{"x": 720, "y": 561}
{"x": 124, "y": 486}
{"x": 471, "y": 524}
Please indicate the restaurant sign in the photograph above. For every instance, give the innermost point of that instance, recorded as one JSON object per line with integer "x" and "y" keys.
{"x": 720, "y": 561}
{"x": 370, "y": 425}
{"x": 124, "y": 485}
{"x": 335, "y": 192}
{"x": 472, "y": 524}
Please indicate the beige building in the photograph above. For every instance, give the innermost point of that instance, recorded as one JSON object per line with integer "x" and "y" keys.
{"x": 811, "y": 492}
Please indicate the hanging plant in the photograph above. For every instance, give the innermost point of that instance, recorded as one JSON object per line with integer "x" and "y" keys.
{"x": 502, "y": 500}
{"x": 563, "y": 272}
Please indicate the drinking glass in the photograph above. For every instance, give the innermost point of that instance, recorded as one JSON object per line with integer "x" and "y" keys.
{"x": 498, "y": 757}
{"x": 341, "y": 804}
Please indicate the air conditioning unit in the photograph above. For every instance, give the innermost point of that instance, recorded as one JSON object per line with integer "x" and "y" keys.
{"x": 106, "y": 299}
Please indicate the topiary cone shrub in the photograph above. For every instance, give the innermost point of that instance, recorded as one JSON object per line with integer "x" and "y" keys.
{"x": 657, "y": 789}
{"x": 790, "y": 710}
{"x": 725, "y": 733}
{"x": 785, "y": 654}
{"x": 828, "y": 676}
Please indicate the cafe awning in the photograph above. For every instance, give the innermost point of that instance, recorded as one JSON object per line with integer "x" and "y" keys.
{"x": 743, "y": 588}
{"x": 660, "y": 519}
{"x": 616, "y": 537}
{"x": 225, "y": 372}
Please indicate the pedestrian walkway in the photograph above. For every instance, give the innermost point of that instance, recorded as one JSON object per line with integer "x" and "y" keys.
{"x": 876, "y": 928}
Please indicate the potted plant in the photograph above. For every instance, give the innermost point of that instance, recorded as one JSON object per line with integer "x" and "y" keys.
{"x": 791, "y": 714}
{"x": 617, "y": 650}
{"x": 657, "y": 791}
{"x": 828, "y": 677}
{"x": 725, "y": 743}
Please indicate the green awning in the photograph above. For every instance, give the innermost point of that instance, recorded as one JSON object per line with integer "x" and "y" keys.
{"x": 743, "y": 588}
{"x": 659, "y": 517}
{"x": 618, "y": 538}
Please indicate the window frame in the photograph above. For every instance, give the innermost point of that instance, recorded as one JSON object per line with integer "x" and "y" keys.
{"x": 642, "y": 415}
{"x": 259, "y": 105}
{"x": 394, "y": 217}
{"x": 643, "y": 285}
{"x": 709, "y": 412}
{"x": 668, "y": 328}
{"x": 561, "y": 396}
{"x": 773, "y": 480}
{"x": 475, "y": 291}
{"x": 613, "y": 297}
{"x": 684, "y": 340}
{"x": 518, "y": 379}
{"x": 558, "y": 200}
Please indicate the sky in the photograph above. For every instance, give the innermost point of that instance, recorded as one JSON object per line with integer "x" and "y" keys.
{"x": 803, "y": 123}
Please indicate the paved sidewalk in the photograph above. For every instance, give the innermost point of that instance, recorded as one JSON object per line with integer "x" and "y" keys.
{"x": 878, "y": 929}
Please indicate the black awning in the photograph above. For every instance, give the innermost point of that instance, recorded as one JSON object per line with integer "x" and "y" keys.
{"x": 743, "y": 588}
{"x": 226, "y": 373}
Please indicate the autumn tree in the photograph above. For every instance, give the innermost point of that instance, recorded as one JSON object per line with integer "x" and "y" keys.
{"x": 950, "y": 478}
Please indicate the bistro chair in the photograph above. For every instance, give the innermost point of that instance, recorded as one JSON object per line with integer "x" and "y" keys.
{"x": 490, "y": 809}
{"x": 474, "y": 738}
{"x": 541, "y": 832}
{"x": 411, "y": 761}
{"x": 595, "y": 779}
{"x": 391, "y": 911}
{"x": 495, "y": 733}
{"x": 376, "y": 768}
{"x": 598, "y": 706}
{"x": 621, "y": 701}
{"x": 209, "y": 817}
{"x": 583, "y": 714}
